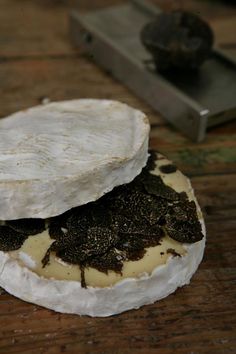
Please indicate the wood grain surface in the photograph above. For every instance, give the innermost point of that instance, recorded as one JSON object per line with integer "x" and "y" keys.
{"x": 37, "y": 60}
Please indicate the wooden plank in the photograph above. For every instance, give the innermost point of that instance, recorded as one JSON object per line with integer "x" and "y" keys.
{"x": 224, "y": 31}
{"x": 216, "y": 155}
{"x": 196, "y": 317}
{"x": 34, "y": 28}
{"x": 25, "y": 82}
{"x": 220, "y": 206}
{"x": 40, "y": 27}
{"x": 205, "y": 9}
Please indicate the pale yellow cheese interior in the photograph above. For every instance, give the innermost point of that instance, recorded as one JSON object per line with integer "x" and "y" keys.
{"x": 35, "y": 247}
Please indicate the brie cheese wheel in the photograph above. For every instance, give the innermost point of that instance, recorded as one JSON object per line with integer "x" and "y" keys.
{"x": 49, "y": 153}
{"x": 58, "y": 287}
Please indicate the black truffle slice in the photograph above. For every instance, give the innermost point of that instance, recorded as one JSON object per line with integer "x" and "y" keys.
{"x": 135, "y": 255}
{"x": 111, "y": 260}
{"x": 61, "y": 220}
{"x": 138, "y": 205}
{"x": 151, "y": 162}
{"x": 56, "y": 231}
{"x": 124, "y": 226}
{"x": 182, "y": 222}
{"x": 72, "y": 253}
{"x": 154, "y": 185}
{"x": 10, "y": 239}
{"x": 99, "y": 240}
{"x": 170, "y": 168}
{"x": 134, "y": 242}
{"x": 178, "y": 39}
{"x": 183, "y": 210}
{"x": 75, "y": 250}
{"x": 27, "y": 226}
{"x": 46, "y": 259}
{"x": 183, "y": 231}
{"x": 136, "y": 236}
{"x": 93, "y": 214}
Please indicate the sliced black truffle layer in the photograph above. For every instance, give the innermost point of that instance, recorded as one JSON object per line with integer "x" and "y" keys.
{"x": 111, "y": 260}
{"x": 183, "y": 231}
{"x": 74, "y": 249}
{"x": 10, "y": 239}
{"x": 182, "y": 223}
{"x": 138, "y": 206}
{"x": 123, "y": 223}
{"x": 90, "y": 215}
{"x": 154, "y": 185}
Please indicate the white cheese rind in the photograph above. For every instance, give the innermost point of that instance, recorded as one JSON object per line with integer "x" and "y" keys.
{"x": 65, "y": 154}
{"x": 69, "y": 297}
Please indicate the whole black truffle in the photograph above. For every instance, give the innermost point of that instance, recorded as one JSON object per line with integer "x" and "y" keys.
{"x": 178, "y": 39}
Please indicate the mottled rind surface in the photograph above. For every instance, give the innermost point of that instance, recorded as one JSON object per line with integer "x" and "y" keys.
{"x": 49, "y": 152}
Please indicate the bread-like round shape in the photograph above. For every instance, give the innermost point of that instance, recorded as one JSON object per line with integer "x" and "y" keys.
{"x": 129, "y": 292}
{"x": 61, "y": 155}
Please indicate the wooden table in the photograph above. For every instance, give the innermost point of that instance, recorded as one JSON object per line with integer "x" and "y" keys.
{"x": 38, "y": 60}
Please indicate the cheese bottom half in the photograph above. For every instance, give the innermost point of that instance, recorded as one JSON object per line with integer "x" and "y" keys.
{"x": 68, "y": 296}
{"x": 58, "y": 286}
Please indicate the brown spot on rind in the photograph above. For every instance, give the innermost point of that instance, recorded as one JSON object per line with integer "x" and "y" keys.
{"x": 173, "y": 252}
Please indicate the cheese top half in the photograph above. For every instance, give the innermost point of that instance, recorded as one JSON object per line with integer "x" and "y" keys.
{"x": 49, "y": 152}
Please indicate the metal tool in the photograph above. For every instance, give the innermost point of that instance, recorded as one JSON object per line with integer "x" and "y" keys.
{"x": 191, "y": 102}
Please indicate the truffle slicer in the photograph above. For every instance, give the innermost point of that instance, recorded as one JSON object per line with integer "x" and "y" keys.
{"x": 191, "y": 102}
